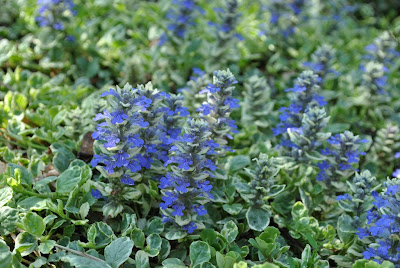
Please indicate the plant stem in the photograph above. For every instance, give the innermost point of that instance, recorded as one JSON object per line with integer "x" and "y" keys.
{"x": 49, "y": 195}
{"x": 83, "y": 254}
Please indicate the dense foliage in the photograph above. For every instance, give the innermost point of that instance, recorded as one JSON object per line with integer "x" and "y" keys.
{"x": 183, "y": 133}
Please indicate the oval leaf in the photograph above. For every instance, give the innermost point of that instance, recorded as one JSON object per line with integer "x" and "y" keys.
{"x": 258, "y": 218}
{"x": 118, "y": 251}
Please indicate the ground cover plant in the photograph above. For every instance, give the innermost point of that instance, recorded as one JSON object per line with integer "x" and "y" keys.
{"x": 183, "y": 133}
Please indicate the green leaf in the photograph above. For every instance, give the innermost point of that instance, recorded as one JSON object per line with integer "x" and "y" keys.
{"x": 62, "y": 156}
{"x": 372, "y": 264}
{"x": 299, "y": 211}
{"x": 165, "y": 250}
{"x": 68, "y": 180}
{"x": 128, "y": 223}
{"x": 345, "y": 224}
{"x": 26, "y": 177}
{"x": 240, "y": 264}
{"x": 34, "y": 224}
{"x": 258, "y": 218}
{"x": 137, "y": 237}
{"x": 142, "y": 259}
{"x": 39, "y": 262}
{"x": 154, "y": 227}
{"x": 118, "y": 251}
{"x": 224, "y": 261}
{"x": 205, "y": 265}
{"x": 99, "y": 234}
{"x": 174, "y": 234}
{"x": 84, "y": 210}
{"x": 233, "y": 209}
{"x": 6, "y": 195}
{"x": 230, "y": 231}
{"x": 46, "y": 246}
{"x": 238, "y": 162}
{"x": 25, "y": 243}
{"x": 199, "y": 252}
{"x": 5, "y": 255}
{"x": 33, "y": 203}
{"x": 8, "y": 220}
{"x": 112, "y": 209}
{"x": 153, "y": 245}
{"x": 83, "y": 262}
{"x": 266, "y": 265}
{"x": 173, "y": 263}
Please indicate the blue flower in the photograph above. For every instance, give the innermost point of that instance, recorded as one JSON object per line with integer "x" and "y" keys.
{"x": 96, "y": 193}
{"x": 121, "y": 159}
{"x": 135, "y": 140}
{"x": 178, "y": 210}
{"x": 205, "y": 186}
{"x": 169, "y": 198}
{"x": 303, "y": 109}
{"x": 344, "y": 151}
{"x": 98, "y": 159}
{"x": 220, "y": 103}
{"x": 118, "y": 117}
{"x": 182, "y": 186}
{"x": 144, "y": 160}
{"x": 233, "y": 103}
{"x": 143, "y": 102}
{"x": 190, "y": 228}
{"x": 205, "y": 109}
{"x": 383, "y": 225}
{"x": 133, "y": 122}
{"x": 134, "y": 166}
{"x": 200, "y": 210}
{"x": 126, "y": 179}
{"x": 111, "y": 92}
{"x": 166, "y": 181}
{"x": 343, "y": 197}
{"x": 185, "y": 189}
{"x": 296, "y": 88}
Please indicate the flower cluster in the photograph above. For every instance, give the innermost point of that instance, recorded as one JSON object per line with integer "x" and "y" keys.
{"x": 180, "y": 18}
{"x": 379, "y": 57}
{"x": 382, "y": 49}
{"x": 198, "y": 80}
{"x": 186, "y": 188}
{"x": 343, "y": 153}
{"x": 374, "y": 78}
{"x": 384, "y": 225}
{"x": 53, "y": 12}
{"x": 359, "y": 199}
{"x": 309, "y": 136}
{"x": 321, "y": 61}
{"x": 284, "y": 16}
{"x": 304, "y": 95}
{"x": 132, "y": 133}
{"x": 170, "y": 124}
{"x": 257, "y": 104}
{"x": 263, "y": 183}
{"x": 217, "y": 108}
{"x": 229, "y": 18}
{"x": 142, "y": 138}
